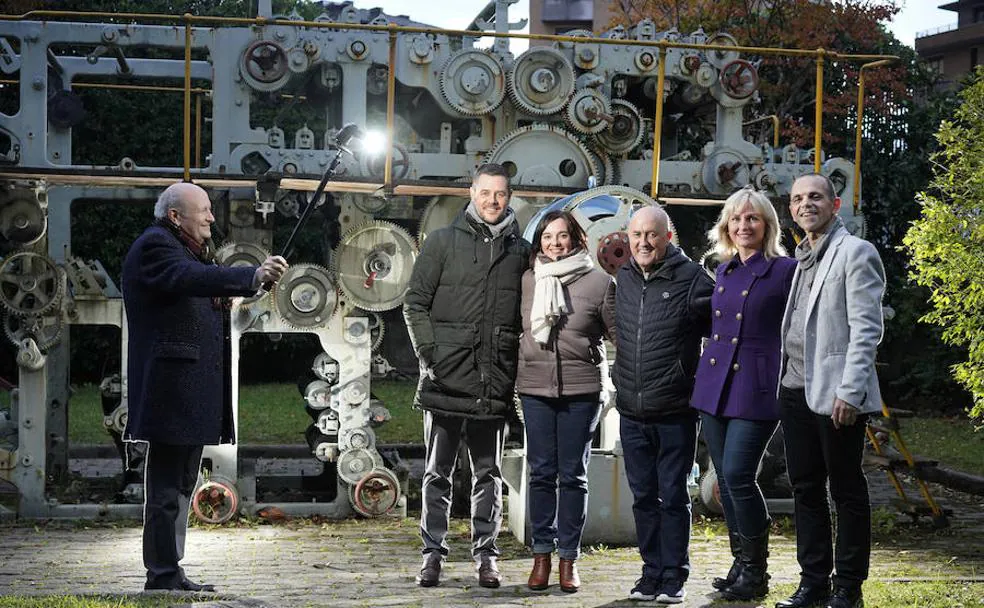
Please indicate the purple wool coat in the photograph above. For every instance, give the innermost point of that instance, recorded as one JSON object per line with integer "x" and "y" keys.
{"x": 738, "y": 372}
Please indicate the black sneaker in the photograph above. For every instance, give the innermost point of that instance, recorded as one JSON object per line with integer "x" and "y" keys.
{"x": 671, "y": 592}
{"x": 645, "y": 590}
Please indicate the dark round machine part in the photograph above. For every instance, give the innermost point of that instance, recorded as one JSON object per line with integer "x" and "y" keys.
{"x": 613, "y": 251}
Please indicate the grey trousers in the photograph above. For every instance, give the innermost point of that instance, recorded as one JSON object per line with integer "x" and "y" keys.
{"x": 483, "y": 439}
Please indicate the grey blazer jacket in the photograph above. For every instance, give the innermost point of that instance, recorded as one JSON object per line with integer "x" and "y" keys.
{"x": 843, "y": 326}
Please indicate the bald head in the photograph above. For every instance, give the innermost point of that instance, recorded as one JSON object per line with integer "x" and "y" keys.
{"x": 649, "y": 235}
{"x": 188, "y": 207}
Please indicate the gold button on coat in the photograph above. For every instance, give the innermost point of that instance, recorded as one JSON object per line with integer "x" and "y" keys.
{"x": 717, "y": 313}
{"x": 720, "y": 289}
{"x": 735, "y": 367}
{"x": 738, "y": 316}
{"x": 713, "y": 361}
{"x": 734, "y": 340}
{"x": 744, "y": 293}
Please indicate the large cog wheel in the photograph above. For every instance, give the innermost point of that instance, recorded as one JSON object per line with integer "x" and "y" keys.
{"x": 541, "y": 81}
{"x": 588, "y": 111}
{"x": 305, "y": 296}
{"x": 30, "y": 284}
{"x": 45, "y": 330}
{"x": 356, "y": 463}
{"x": 473, "y": 82}
{"x": 373, "y": 262}
{"x": 626, "y": 131}
{"x": 440, "y": 212}
{"x": 544, "y": 155}
{"x": 240, "y": 254}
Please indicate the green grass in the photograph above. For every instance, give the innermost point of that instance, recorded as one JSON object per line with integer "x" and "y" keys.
{"x": 268, "y": 414}
{"x": 906, "y": 594}
{"x": 954, "y": 442}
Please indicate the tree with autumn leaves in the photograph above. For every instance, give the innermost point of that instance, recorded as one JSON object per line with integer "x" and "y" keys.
{"x": 903, "y": 110}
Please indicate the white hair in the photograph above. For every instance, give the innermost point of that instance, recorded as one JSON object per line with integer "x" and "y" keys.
{"x": 173, "y": 197}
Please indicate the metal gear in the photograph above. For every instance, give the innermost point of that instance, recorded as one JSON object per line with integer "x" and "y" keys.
{"x": 305, "y": 296}
{"x": 541, "y": 81}
{"x": 609, "y": 171}
{"x": 357, "y": 438}
{"x": 356, "y": 463}
{"x": 46, "y": 331}
{"x": 375, "y": 494}
{"x": 473, "y": 82}
{"x": 544, "y": 155}
{"x": 240, "y": 254}
{"x": 30, "y": 284}
{"x": 377, "y": 329}
{"x": 588, "y": 111}
{"x": 440, "y": 212}
{"x": 625, "y": 132}
{"x": 608, "y": 213}
{"x": 22, "y": 218}
{"x": 373, "y": 263}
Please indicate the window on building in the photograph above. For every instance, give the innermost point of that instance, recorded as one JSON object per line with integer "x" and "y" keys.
{"x": 935, "y": 64}
{"x": 568, "y": 10}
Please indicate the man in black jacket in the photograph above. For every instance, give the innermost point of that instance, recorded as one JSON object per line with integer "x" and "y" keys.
{"x": 463, "y": 313}
{"x": 662, "y": 308}
{"x": 177, "y": 366}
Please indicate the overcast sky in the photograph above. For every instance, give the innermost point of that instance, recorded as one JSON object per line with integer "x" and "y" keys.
{"x": 916, "y": 16}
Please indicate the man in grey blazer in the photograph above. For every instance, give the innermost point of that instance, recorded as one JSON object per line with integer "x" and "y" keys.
{"x": 831, "y": 330}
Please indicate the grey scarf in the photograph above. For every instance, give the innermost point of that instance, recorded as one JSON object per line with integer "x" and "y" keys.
{"x": 807, "y": 255}
{"x": 496, "y": 229}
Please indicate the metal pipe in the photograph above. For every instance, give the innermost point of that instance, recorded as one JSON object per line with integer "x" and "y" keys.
{"x": 658, "y": 121}
{"x": 151, "y": 17}
{"x": 818, "y": 120}
{"x": 857, "y": 134}
{"x": 775, "y": 126}
{"x": 198, "y": 131}
{"x": 390, "y": 114}
{"x": 186, "y": 133}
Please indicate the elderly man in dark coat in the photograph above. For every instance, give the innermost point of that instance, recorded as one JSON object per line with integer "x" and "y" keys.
{"x": 177, "y": 378}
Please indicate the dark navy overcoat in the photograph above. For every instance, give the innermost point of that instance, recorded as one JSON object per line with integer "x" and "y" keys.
{"x": 177, "y": 373}
{"x": 738, "y": 372}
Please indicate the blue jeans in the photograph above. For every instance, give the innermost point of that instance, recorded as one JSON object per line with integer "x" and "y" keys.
{"x": 736, "y": 447}
{"x": 658, "y": 458}
{"x": 558, "y": 445}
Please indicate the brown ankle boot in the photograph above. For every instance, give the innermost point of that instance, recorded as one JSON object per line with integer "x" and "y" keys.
{"x": 540, "y": 575}
{"x": 569, "y": 579}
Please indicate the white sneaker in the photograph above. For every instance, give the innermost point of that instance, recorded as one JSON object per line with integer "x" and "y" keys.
{"x": 672, "y": 592}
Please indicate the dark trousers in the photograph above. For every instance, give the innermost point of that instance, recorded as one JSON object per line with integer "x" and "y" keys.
{"x": 558, "y": 446}
{"x": 169, "y": 480}
{"x": 817, "y": 453}
{"x": 442, "y": 438}
{"x": 736, "y": 447}
{"x": 658, "y": 458}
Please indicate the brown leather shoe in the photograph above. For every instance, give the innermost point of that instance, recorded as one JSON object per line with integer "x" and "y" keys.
{"x": 488, "y": 572}
{"x": 570, "y": 581}
{"x": 540, "y": 575}
{"x": 430, "y": 570}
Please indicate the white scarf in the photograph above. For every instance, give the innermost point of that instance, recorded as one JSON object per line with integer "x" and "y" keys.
{"x": 549, "y": 303}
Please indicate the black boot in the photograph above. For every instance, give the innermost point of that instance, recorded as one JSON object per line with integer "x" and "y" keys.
{"x": 722, "y": 583}
{"x": 753, "y": 581}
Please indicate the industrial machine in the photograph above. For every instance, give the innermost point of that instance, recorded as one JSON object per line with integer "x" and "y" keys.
{"x": 563, "y": 116}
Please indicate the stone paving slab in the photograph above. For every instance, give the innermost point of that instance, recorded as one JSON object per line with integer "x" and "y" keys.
{"x": 357, "y": 563}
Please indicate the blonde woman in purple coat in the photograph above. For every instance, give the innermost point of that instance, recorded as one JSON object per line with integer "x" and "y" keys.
{"x": 737, "y": 376}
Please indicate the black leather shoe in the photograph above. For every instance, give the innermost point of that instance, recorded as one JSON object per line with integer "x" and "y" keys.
{"x": 845, "y": 597}
{"x": 806, "y": 596}
{"x": 430, "y": 570}
{"x": 488, "y": 572}
{"x": 184, "y": 585}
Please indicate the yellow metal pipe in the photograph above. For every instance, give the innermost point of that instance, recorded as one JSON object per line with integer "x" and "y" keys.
{"x": 198, "y": 131}
{"x": 857, "y": 135}
{"x": 818, "y": 121}
{"x": 186, "y": 133}
{"x": 152, "y": 17}
{"x": 658, "y": 121}
{"x": 124, "y": 87}
{"x": 775, "y": 127}
{"x": 390, "y": 113}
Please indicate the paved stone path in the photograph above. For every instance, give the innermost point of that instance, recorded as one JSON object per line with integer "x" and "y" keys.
{"x": 373, "y": 563}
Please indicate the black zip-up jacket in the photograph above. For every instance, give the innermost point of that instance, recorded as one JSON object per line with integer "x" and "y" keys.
{"x": 462, "y": 310}
{"x": 659, "y": 322}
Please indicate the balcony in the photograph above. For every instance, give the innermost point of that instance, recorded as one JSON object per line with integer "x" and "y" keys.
{"x": 950, "y": 40}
